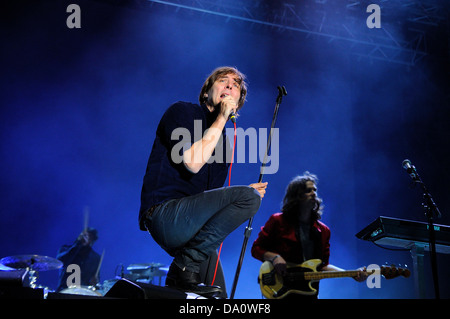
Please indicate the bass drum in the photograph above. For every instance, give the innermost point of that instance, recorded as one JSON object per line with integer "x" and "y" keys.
{"x": 81, "y": 290}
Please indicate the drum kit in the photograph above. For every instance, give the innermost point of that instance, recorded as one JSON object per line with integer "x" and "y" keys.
{"x": 33, "y": 264}
{"x": 29, "y": 267}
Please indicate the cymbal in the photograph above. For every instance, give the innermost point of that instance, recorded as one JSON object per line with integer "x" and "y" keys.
{"x": 34, "y": 262}
{"x": 5, "y": 268}
{"x": 147, "y": 270}
{"x": 144, "y": 266}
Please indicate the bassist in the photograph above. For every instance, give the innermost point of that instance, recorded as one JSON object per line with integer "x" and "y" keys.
{"x": 296, "y": 234}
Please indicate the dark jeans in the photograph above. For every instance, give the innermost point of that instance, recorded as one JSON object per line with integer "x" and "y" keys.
{"x": 193, "y": 227}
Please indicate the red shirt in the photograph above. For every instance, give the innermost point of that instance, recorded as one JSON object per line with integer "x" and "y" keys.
{"x": 278, "y": 236}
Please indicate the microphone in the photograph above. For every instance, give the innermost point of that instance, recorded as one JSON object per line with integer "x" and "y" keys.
{"x": 233, "y": 117}
{"x": 410, "y": 169}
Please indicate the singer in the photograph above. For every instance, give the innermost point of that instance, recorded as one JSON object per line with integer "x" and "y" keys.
{"x": 184, "y": 206}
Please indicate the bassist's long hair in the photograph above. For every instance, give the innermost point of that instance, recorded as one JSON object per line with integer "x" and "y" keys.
{"x": 295, "y": 193}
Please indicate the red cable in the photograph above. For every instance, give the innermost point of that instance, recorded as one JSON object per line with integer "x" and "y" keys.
{"x": 232, "y": 156}
{"x": 229, "y": 184}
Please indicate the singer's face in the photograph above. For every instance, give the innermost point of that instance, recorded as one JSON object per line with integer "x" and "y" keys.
{"x": 225, "y": 85}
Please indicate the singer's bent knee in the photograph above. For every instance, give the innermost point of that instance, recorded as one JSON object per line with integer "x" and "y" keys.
{"x": 251, "y": 199}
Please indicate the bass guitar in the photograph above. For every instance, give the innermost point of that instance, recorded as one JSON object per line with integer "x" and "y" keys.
{"x": 299, "y": 278}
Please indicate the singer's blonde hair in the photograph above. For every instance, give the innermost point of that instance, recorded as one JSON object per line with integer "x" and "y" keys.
{"x": 220, "y": 71}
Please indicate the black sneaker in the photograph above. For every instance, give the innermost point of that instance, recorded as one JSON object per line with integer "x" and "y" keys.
{"x": 189, "y": 281}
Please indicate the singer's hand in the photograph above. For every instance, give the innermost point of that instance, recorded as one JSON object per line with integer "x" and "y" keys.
{"x": 260, "y": 187}
{"x": 228, "y": 105}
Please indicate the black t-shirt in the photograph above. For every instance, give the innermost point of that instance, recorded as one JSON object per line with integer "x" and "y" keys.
{"x": 166, "y": 176}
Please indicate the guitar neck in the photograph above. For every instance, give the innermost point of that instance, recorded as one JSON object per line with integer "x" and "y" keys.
{"x": 329, "y": 274}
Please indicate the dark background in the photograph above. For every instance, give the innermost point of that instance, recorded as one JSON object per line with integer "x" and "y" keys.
{"x": 79, "y": 110}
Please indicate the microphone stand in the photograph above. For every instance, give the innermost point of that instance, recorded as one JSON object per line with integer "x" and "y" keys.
{"x": 248, "y": 230}
{"x": 431, "y": 210}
